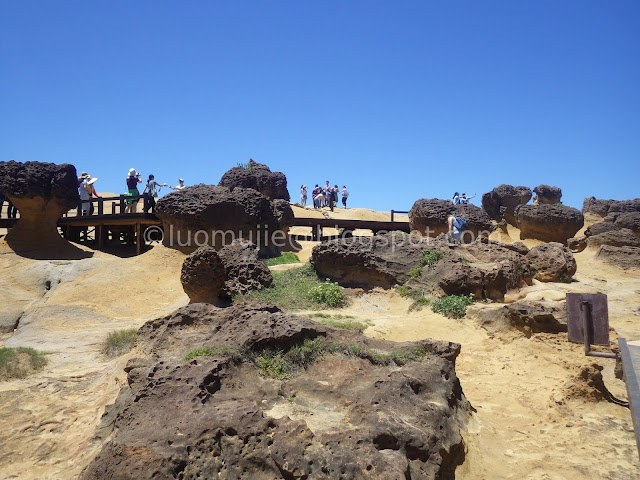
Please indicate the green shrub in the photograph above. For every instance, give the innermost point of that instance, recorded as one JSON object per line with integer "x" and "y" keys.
{"x": 453, "y": 306}
{"x": 404, "y": 291}
{"x": 415, "y": 272}
{"x": 119, "y": 342}
{"x": 286, "y": 257}
{"x": 19, "y": 362}
{"x": 418, "y": 303}
{"x": 330, "y": 294}
{"x": 430, "y": 257}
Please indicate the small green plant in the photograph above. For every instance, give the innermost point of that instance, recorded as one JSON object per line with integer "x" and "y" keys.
{"x": 273, "y": 364}
{"x": 453, "y": 306}
{"x": 430, "y": 257}
{"x": 465, "y": 261}
{"x": 418, "y": 303}
{"x": 243, "y": 166}
{"x": 415, "y": 272}
{"x": 419, "y": 300}
{"x": 330, "y": 294}
{"x": 404, "y": 291}
{"x": 286, "y": 257}
{"x": 119, "y": 342}
{"x": 19, "y": 362}
{"x": 214, "y": 352}
{"x": 348, "y": 324}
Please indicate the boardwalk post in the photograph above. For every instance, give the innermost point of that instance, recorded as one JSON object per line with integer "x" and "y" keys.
{"x": 138, "y": 238}
{"x": 121, "y": 203}
{"x": 392, "y": 215}
{"x": 100, "y": 206}
{"x": 100, "y": 234}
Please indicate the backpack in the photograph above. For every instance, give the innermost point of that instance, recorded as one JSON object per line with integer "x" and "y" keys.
{"x": 460, "y": 223}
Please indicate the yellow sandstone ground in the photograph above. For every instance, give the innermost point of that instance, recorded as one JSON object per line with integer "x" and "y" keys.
{"x": 527, "y": 425}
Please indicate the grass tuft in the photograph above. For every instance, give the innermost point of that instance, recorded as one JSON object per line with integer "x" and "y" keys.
{"x": 20, "y": 362}
{"x": 430, "y": 257}
{"x": 453, "y": 306}
{"x": 327, "y": 293}
{"x": 119, "y": 342}
{"x": 286, "y": 257}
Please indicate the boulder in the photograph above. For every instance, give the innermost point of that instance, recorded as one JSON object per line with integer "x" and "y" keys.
{"x": 618, "y": 238}
{"x": 577, "y": 244}
{"x": 506, "y": 196}
{"x": 549, "y": 223}
{"x": 42, "y": 193}
{"x": 601, "y": 227}
{"x": 548, "y": 195}
{"x": 259, "y": 177}
{"x": 209, "y": 215}
{"x": 208, "y": 275}
{"x": 602, "y": 208}
{"x": 552, "y": 262}
{"x": 336, "y": 416}
{"x": 624, "y": 257}
{"x": 525, "y": 316}
{"x": 630, "y": 220}
{"x": 429, "y": 218}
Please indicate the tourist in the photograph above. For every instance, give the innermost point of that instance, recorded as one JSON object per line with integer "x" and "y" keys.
{"x": 180, "y": 185}
{"x": 151, "y": 188}
{"x": 314, "y": 196}
{"x": 457, "y": 225}
{"x": 133, "y": 179}
{"x": 345, "y": 195}
{"x": 92, "y": 192}
{"x": 464, "y": 200}
{"x": 83, "y": 191}
{"x": 303, "y": 195}
{"x": 325, "y": 191}
{"x": 456, "y": 199}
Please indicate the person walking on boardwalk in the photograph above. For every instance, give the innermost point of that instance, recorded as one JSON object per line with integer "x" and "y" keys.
{"x": 151, "y": 189}
{"x": 133, "y": 180}
{"x": 303, "y": 195}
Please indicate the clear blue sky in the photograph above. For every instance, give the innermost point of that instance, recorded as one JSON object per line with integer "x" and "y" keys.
{"x": 398, "y": 100}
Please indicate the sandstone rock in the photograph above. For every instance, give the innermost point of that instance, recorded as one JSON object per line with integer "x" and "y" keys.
{"x": 218, "y": 417}
{"x": 601, "y": 227}
{"x": 618, "y": 238}
{"x": 630, "y": 220}
{"x": 548, "y": 195}
{"x": 208, "y": 275}
{"x": 552, "y": 262}
{"x": 203, "y": 275}
{"x": 42, "y": 193}
{"x": 603, "y": 207}
{"x": 244, "y": 271}
{"x": 506, "y": 196}
{"x": 548, "y": 222}
{"x": 577, "y": 244}
{"x": 258, "y": 177}
{"x": 429, "y": 217}
{"x": 624, "y": 257}
{"x": 526, "y": 316}
{"x": 209, "y": 215}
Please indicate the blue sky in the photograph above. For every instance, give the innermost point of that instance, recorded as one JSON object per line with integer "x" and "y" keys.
{"x": 397, "y": 100}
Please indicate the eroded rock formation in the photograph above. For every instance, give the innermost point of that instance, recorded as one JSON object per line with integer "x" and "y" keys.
{"x": 429, "y": 217}
{"x": 602, "y": 208}
{"x": 210, "y": 215}
{"x": 42, "y": 193}
{"x": 549, "y": 223}
{"x": 548, "y": 195}
{"x": 506, "y": 196}
{"x": 623, "y": 257}
{"x": 259, "y": 177}
{"x": 526, "y": 316}
{"x": 335, "y": 417}
{"x": 552, "y": 262}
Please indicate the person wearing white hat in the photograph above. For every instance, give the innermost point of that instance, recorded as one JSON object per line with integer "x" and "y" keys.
{"x": 133, "y": 180}
{"x": 180, "y": 185}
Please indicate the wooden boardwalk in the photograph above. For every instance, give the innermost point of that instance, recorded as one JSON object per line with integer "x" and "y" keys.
{"x": 631, "y": 365}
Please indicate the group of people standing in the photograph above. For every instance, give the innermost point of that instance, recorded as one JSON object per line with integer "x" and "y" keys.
{"x": 326, "y": 196}
{"x": 151, "y": 190}
{"x": 461, "y": 199}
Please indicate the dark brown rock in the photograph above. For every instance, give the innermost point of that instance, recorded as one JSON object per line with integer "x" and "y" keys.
{"x": 577, "y": 244}
{"x": 210, "y": 215}
{"x": 548, "y": 195}
{"x": 602, "y": 208}
{"x": 552, "y": 262}
{"x": 243, "y": 269}
{"x": 429, "y": 217}
{"x": 630, "y": 220}
{"x": 203, "y": 275}
{"x": 618, "y": 238}
{"x": 259, "y": 177}
{"x": 549, "y": 223}
{"x": 506, "y": 196}
{"x": 624, "y": 257}
{"x": 601, "y": 227}
{"x": 525, "y": 316}
{"x": 217, "y": 417}
{"x": 42, "y": 193}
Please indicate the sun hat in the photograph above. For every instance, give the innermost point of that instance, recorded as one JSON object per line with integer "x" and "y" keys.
{"x": 85, "y": 175}
{"x": 92, "y": 180}
{"x": 180, "y": 180}
{"x": 132, "y": 172}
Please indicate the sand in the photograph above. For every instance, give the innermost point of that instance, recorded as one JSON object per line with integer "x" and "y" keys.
{"x": 533, "y": 420}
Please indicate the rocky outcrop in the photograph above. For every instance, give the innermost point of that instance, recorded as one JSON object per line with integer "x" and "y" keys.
{"x": 508, "y": 197}
{"x": 548, "y": 195}
{"x": 549, "y": 223}
{"x": 259, "y": 177}
{"x": 618, "y": 238}
{"x": 630, "y": 220}
{"x": 602, "y": 208}
{"x": 42, "y": 193}
{"x": 215, "y": 216}
{"x": 552, "y": 262}
{"x": 334, "y": 417}
{"x": 601, "y": 227}
{"x": 429, "y": 218}
{"x": 623, "y": 257}
{"x": 208, "y": 275}
{"x": 577, "y": 244}
{"x": 526, "y": 316}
